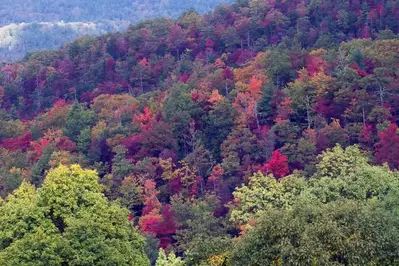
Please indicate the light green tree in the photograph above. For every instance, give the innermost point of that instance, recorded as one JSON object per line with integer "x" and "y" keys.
{"x": 168, "y": 259}
{"x": 340, "y": 162}
{"x": 264, "y": 192}
{"x": 67, "y": 221}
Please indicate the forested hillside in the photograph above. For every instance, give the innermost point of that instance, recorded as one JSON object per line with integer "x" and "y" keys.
{"x": 29, "y": 26}
{"x": 263, "y": 133}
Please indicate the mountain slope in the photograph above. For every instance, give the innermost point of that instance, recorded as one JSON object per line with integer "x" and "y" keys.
{"x": 262, "y": 133}
{"x": 28, "y": 26}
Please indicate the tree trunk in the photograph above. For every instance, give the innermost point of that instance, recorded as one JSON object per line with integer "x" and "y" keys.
{"x": 308, "y": 111}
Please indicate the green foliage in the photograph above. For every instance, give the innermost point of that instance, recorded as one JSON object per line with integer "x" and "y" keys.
{"x": 168, "y": 259}
{"x": 42, "y": 165}
{"x": 200, "y": 233}
{"x": 78, "y": 118}
{"x": 180, "y": 110}
{"x": 10, "y": 128}
{"x": 121, "y": 166}
{"x": 10, "y": 180}
{"x": 84, "y": 140}
{"x": 339, "y": 233}
{"x": 67, "y": 221}
{"x": 263, "y": 193}
{"x": 151, "y": 248}
{"x": 337, "y": 162}
{"x": 365, "y": 183}
{"x": 279, "y": 67}
{"x": 218, "y": 125}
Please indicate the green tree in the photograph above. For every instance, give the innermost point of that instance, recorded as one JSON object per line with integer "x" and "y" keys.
{"x": 279, "y": 68}
{"x": 263, "y": 193}
{"x": 68, "y": 221}
{"x": 338, "y": 162}
{"x": 168, "y": 259}
{"x": 78, "y": 119}
{"x": 39, "y": 169}
{"x": 201, "y": 234}
{"x": 339, "y": 233}
{"x": 218, "y": 125}
{"x": 180, "y": 110}
{"x": 84, "y": 140}
{"x": 121, "y": 166}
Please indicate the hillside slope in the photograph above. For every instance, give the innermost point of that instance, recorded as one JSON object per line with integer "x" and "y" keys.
{"x": 262, "y": 133}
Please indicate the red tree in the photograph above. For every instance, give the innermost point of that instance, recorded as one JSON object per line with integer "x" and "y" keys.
{"x": 387, "y": 149}
{"x": 64, "y": 143}
{"x": 145, "y": 119}
{"x": 167, "y": 227}
{"x": 38, "y": 147}
{"x": 277, "y": 165}
{"x": 19, "y": 143}
{"x": 151, "y": 201}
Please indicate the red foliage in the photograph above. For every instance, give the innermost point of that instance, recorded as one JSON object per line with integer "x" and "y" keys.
{"x": 133, "y": 144}
{"x": 110, "y": 65}
{"x": 38, "y": 147}
{"x": 145, "y": 119}
{"x": 240, "y": 57}
{"x": 195, "y": 96}
{"x": 175, "y": 186}
{"x": 325, "y": 107}
{"x": 184, "y": 78}
{"x": 277, "y": 165}
{"x": 162, "y": 225}
{"x": 19, "y": 143}
{"x": 149, "y": 223}
{"x": 284, "y": 109}
{"x": 228, "y": 74}
{"x": 209, "y": 43}
{"x": 63, "y": 143}
{"x": 151, "y": 201}
{"x": 315, "y": 64}
{"x": 255, "y": 86}
{"x": 167, "y": 227}
{"x": 59, "y": 104}
{"x": 387, "y": 149}
{"x": 365, "y": 33}
{"x": 366, "y": 135}
{"x": 143, "y": 62}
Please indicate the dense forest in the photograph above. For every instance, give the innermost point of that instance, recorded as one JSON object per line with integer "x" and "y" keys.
{"x": 262, "y": 133}
{"x": 29, "y": 26}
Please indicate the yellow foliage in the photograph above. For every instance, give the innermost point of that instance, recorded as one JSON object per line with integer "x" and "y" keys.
{"x": 318, "y": 52}
{"x": 98, "y": 130}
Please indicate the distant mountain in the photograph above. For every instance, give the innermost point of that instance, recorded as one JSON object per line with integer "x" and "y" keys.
{"x": 16, "y": 40}
{"x": 28, "y": 26}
